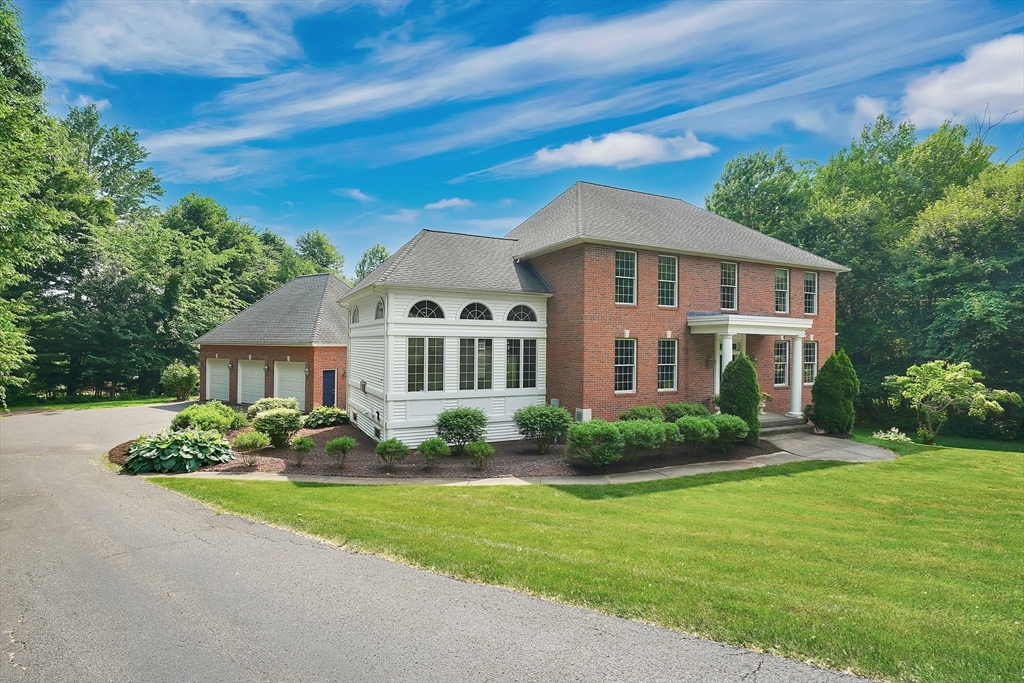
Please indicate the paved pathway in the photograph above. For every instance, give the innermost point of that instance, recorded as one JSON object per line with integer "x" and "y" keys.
{"x": 108, "y": 578}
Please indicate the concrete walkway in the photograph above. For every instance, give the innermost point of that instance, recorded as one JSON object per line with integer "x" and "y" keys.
{"x": 797, "y": 447}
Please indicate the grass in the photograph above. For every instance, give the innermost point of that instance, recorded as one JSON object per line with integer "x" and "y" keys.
{"x": 96, "y": 403}
{"x": 905, "y": 570}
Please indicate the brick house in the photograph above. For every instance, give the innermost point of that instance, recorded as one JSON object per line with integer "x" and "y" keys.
{"x": 604, "y": 299}
{"x": 293, "y": 343}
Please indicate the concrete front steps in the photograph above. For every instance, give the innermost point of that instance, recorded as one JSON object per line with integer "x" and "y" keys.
{"x": 774, "y": 423}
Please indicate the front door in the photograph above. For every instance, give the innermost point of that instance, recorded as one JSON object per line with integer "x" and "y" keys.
{"x": 330, "y": 383}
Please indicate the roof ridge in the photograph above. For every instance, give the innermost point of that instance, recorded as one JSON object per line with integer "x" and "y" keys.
{"x": 320, "y": 309}
{"x": 469, "y": 234}
{"x": 400, "y": 256}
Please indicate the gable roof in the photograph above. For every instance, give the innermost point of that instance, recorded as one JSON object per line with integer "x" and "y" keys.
{"x": 587, "y": 212}
{"x": 302, "y": 312}
{"x": 452, "y": 260}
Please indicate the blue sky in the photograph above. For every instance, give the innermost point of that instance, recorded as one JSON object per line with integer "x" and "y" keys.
{"x": 374, "y": 119}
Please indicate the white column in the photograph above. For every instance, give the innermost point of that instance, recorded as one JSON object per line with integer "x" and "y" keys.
{"x": 726, "y": 351}
{"x": 717, "y": 368}
{"x": 796, "y": 374}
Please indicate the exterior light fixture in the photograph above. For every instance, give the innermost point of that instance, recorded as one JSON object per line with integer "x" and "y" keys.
{"x": 266, "y": 368}
{"x": 307, "y": 369}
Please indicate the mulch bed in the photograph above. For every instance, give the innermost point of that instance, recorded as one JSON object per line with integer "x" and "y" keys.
{"x": 510, "y": 459}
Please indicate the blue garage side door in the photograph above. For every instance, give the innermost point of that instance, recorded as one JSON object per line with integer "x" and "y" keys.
{"x": 330, "y": 384}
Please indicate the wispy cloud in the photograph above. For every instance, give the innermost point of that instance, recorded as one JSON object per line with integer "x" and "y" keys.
{"x": 83, "y": 100}
{"x": 354, "y": 193}
{"x": 402, "y": 216}
{"x": 452, "y": 203}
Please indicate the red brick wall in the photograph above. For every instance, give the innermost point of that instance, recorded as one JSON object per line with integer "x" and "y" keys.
{"x": 320, "y": 358}
{"x": 563, "y": 271}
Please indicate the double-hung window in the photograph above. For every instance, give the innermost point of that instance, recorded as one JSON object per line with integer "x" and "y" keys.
{"x": 666, "y": 364}
{"x": 475, "y": 363}
{"x": 782, "y": 290}
{"x": 521, "y": 364}
{"x": 625, "y": 277}
{"x": 810, "y": 293}
{"x": 781, "y": 363}
{"x": 810, "y": 361}
{"x": 729, "y": 286}
{"x": 425, "y": 367}
{"x": 625, "y": 365}
{"x": 668, "y": 267}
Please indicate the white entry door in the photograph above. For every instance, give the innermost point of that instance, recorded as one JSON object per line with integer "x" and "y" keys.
{"x": 218, "y": 380}
{"x": 290, "y": 382}
{"x": 250, "y": 381}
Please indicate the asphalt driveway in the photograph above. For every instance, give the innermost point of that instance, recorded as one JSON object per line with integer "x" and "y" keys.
{"x": 109, "y": 578}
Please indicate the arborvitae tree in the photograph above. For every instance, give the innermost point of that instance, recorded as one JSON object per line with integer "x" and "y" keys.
{"x": 832, "y": 394}
{"x": 740, "y": 394}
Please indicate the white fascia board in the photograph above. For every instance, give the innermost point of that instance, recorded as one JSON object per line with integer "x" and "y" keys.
{"x": 747, "y": 324}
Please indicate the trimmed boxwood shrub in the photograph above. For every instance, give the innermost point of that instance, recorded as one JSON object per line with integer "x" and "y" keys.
{"x": 325, "y": 416}
{"x": 338, "y": 448}
{"x": 597, "y": 443}
{"x": 674, "y": 411}
{"x": 480, "y": 451}
{"x": 543, "y": 425}
{"x": 696, "y": 432}
{"x": 271, "y": 403}
{"x": 741, "y": 395}
{"x": 832, "y": 395}
{"x": 641, "y": 437}
{"x": 460, "y": 426}
{"x": 672, "y": 437}
{"x": 731, "y": 430}
{"x": 392, "y": 451}
{"x": 180, "y": 379}
{"x": 642, "y": 413}
{"x": 279, "y": 424}
{"x": 209, "y": 415}
{"x": 301, "y": 445}
{"x": 432, "y": 449}
{"x": 184, "y": 450}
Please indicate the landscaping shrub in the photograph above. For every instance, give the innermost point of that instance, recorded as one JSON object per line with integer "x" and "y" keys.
{"x": 596, "y": 443}
{"x": 674, "y": 411}
{"x": 250, "y": 444}
{"x": 338, "y": 449}
{"x": 832, "y": 395}
{"x": 325, "y": 416}
{"x": 696, "y": 432}
{"x": 731, "y": 430}
{"x": 460, "y": 426}
{"x": 740, "y": 395}
{"x": 279, "y": 424}
{"x": 642, "y": 413}
{"x": 543, "y": 425}
{"x": 672, "y": 437}
{"x": 432, "y": 449}
{"x": 480, "y": 451}
{"x": 301, "y": 445}
{"x": 184, "y": 450}
{"x": 392, "y": 451}
{"x": 209, "y": 415}
{"x": 641, "y": 437}
{"x": 180, "y": 379}
{"x": 270, "y": 404}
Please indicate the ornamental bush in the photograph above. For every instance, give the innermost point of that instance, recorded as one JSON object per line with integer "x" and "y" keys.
{"x": 250, "y": 444}
{"x": 432, "y": 449}
{"x": 337, "y": 449}
{"x": 597, "y": 443}
{"x": 740, "y": 394}
{"x": 325, "y": 416}
{"x": 641, "y": 437}
{"x": 832, "y": 395}
{"x": 460, "y": 426}
{"x": 209, "y": 415}
{"x": 480, "y": 451}
{"x": 279, "y": 424}
{"x": 543, "y": 425}
{"x": 731, "y": 430}
{"x": 392, "y": 451}
{"x": 180, "y": 379}
{"x": 642, "y": 413}
{"x": 271, "y": 403}
{"x": 184, "y": 450}
{"x": 301, "y": 445}
{"x": 672, "y": 437}
{"x": 674, "y": 411}
{"x": 696, "y": 432}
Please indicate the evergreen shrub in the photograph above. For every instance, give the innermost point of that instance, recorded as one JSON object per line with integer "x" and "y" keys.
{"x": 597, "y": 443}
{"x": 543, "y": 425}
{"x": 740, "y": 394}
{"x": 731, "y": 430}
{"x": 642, "y": 413}
{"x": 337, "y": 449}
{"x": 641, "y": 437}
{"x": 279, "y": 424}
{"x": 460, "y": 426}
{"x": 432, "y": 449}
{"x": 392, "y": 451}
{"x": 832, "y": 395}
{"x": 696, "y": 433}
{"x": 674, "y": 411}
{"x": 180, "y": 379}
{"x": 301, "y": 445}
{"x": 480, "y": 451}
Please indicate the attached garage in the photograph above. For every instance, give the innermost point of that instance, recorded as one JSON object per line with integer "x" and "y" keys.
{"x": 218, "y": 379}
{"x": 251, "y": 382}
{"x": 290, "y": 382}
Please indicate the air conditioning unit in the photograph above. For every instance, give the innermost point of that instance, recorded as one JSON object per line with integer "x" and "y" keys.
{"x": 584, "y": 415}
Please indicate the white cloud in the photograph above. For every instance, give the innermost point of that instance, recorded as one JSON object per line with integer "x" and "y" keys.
{"x": 505, "y": 203}
{"x": 991, "y": 76}
{"x": 402, "y": 216}
{"x": 354, "y": 193}
{"x": 84, "y": 101}
{"x": 452, "y": 203}
{"x": 623, "y": 150}
{"x": 841, "y": 125}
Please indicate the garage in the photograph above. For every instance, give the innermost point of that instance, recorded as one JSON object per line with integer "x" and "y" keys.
{"x": 218, "y": 379}
{"x": 290, "y": 382}
{"x": 251, "y": 385}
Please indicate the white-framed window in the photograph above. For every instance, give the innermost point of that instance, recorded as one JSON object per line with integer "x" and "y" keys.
{"x": 425, "y": 309}
{"x": 426, "y": 364}
{"x": 810, "y": 361}
{"x": 782, "y": 290}
{"x": 521, "y": 314}
{"x": 625, "y": 365}
{"x": 476, "y": 311}
{"x": 666, "y": 364}
{"x": 355, "y": 314}
{"x": 728, "y": 286}
{"x": 475, "y": 363}
{"x": 668, "y": 280}
{"x": 625, "y": 277}
{"x": 810, "y": 293}
{"x": 378, "y": 313}
{"x": 521, "y": 364}
{"x": 781, "y": 363}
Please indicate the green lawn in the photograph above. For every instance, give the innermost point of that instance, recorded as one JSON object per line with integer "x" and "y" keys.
{"x": 906, "y": 570}
{"x": 96, "y": 403}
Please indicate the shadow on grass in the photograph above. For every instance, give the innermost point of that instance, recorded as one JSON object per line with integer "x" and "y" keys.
{"x": 604, "y": 492}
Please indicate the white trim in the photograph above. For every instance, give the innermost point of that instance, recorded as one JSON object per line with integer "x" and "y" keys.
{"x": 817, "y": 292}
{"x": 731, "y": 323}
{"x": 735, "y": 287}
{"x": 635, "y": 278}
{"x": 789, "y": 291}
{"x": 675, "y": 364}
{"x": 675, "y": 293}
{"x": 616, "y": 365}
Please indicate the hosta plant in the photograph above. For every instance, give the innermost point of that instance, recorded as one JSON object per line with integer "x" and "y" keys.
{"x": 185, "y": 450}
{"x": 894, "y": 435}
{"x": 325, "y": 416}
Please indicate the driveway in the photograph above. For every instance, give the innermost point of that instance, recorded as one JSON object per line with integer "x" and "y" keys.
{"x": 109, "y": 578}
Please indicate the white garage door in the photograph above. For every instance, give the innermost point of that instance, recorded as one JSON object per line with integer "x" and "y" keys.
{"x": 290, "y": 381}
{"x": 250, "y": 381}
{"x": 218, "y": 380}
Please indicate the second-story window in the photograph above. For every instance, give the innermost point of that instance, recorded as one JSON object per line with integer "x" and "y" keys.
{"x": 782, "y": 290}
{"x": 729, "y": 286}
{"x": 667, "y": 280}
{"x": 476, "y": 311}
{"x": 625, "y": 277}
{"x": 378, "y": 313}
{"x": 810, "y": 293}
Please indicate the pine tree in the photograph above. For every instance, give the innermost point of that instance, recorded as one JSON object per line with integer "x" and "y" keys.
{"x": 832, "y": 394}
{"x": 740, "y": 394}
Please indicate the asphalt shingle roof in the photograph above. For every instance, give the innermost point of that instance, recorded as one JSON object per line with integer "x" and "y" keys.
{"x": 302, "y": 312}
{"x": 589, "y": 212}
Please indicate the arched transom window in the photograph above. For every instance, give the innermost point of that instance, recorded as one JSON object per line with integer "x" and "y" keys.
{"x": 476, "y": 311}
{"x": 379, "y": 313}
{"x": 425, "y": 309}
{"x": 355, "y": 314}
{"x": 522, "y": 314}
